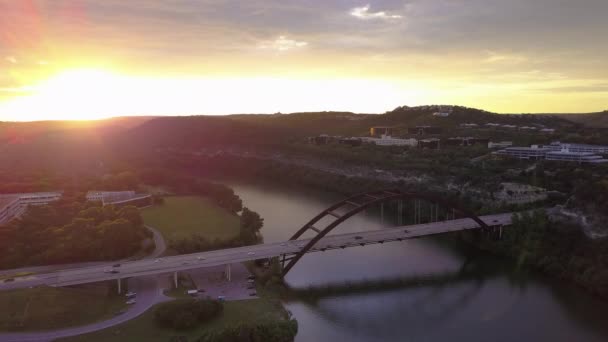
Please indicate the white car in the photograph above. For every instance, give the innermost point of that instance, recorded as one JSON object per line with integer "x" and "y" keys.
{"x": 200, "y": 258}
{"x": 131, "y": 294}
{"x": 131, "y": 302}
{"x": 157, "y": 260}
{"x": 251, "y": 253}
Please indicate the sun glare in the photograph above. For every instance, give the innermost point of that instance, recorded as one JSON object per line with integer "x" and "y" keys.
{"x": 86, "y": 94}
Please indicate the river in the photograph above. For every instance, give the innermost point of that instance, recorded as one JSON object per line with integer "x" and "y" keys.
{"x": 499, "y": 303}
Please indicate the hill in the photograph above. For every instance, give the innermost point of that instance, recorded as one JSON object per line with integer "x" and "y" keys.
{"x": 593, "y": 120}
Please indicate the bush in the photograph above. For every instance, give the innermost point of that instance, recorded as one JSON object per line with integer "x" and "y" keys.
{"x": 187, "y": 313}
{"x": 279, "y": 331}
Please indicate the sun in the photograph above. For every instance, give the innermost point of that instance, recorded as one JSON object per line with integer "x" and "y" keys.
{"x": 78, "y": 94}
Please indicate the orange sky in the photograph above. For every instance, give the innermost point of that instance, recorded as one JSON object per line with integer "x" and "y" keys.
{"x": 93, "y": 59}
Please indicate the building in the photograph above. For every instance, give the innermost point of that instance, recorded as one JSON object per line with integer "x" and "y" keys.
{"x": 422, "y": 130}
{"x": 547, "y": 130}
{"x": 432, "y": 144}
{"x": 501, "y": 144}
{"x": 322, "y": 139}
{"x": 116, "y": 197}
{"x": 534, "y": 152}
{"x": 469, "y": 125}
{"x": 537, "y": 153}
{"x": 466, "y": 141}
{"x": 442, "y": 114}
{"x": 350, "y": 141}
{"x": 13, "y": 205}
{"x": 558, "y": 146}
{"x": 377, "y": 132}
{"x": 579, "y": 157}
{"x": 385, "y": 140}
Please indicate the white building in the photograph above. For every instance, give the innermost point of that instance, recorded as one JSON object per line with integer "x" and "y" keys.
{"x": 386, "y": 140}
{"x": 558, "y": 146}
{"x": 579, "y": 157}
{"x": 501, "y": 144}
{"x": 13, "y": 205}
{"x": 442, "y": 114}
{"x": 533, "y": 152}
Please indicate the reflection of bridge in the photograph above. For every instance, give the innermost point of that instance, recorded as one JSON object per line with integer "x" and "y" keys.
{"x": 292, "y": 250}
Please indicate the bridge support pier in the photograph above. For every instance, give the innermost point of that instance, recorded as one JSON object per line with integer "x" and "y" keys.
{"x": 228, "y": 272}
{"x": 175, "y": 279}
{"x": 119, "y": 286}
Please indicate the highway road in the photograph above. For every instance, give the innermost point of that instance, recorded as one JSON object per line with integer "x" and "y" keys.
{"x": 159, "y": 248}
{"x": 236, "y": 255}
{"x": 148, "y": 295}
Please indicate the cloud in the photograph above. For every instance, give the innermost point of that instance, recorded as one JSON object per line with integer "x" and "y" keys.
{"x": 11, "y": 59}
{"x": 495, "y": 57}
{"x": 284, "y": 44}
{"x": 364, "y": 14}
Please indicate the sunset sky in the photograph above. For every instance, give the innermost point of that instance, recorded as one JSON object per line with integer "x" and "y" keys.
{"x": 62, "y": 59}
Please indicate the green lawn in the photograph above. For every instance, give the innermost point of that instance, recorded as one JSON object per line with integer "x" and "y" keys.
{"x": 181, "y": 216}
{"x": 46, "y": 308}
{"x": 144, "y": 328}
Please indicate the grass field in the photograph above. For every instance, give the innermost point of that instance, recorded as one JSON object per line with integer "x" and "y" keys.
{"x": 144, "y": 328}
{"x": 48, "y": 308}
{"x": 181, "y": 216}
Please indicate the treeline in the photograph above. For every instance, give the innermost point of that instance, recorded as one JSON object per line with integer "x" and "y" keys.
{"x": 556, "y": 249}
{"x": 181, "y": 182}
{"x": 277, "y": 331}
{"x": 250, "y": 225}
{"x": 187, "y": 313}
{"x": 71, "y": 230}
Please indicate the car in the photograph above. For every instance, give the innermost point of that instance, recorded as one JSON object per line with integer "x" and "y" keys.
{"x": 494, "y": 220}
{"x": 185, "y": 263}
{"x": 251, "y": 277}
{"x": 157, "y": 260}
{"x": 251, "y": 281}
{"x": 107, "y": 270}
{"x": 221, "y": 298}
{"x": 114, "y": 271}
{"x": 250, "y": 287}
{"x": 131, "y": 302}
{"x": 8, "y": 280}
{"x": 283, "y": 244}
{"x": 251, "y": 253}
{"x": 358, "y": 237}
{"x": 201, "y": 290}
{"x": 253, "y": 294}
{"x": 116, "y": 265}
{"x": 200, "y": 257}
{"x": 406, "y": 231}
{"x": 131, "y": 294}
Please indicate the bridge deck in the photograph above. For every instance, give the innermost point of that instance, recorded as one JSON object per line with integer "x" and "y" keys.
{"x": 240, "y": 254}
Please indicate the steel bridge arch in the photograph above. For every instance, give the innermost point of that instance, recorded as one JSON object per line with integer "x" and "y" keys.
{"x": 370, "y": 199}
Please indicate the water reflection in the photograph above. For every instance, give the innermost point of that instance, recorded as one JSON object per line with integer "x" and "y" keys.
{"x": 458, "y": 294}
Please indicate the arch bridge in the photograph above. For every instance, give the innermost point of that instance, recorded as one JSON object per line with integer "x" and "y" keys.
{"x": 329, "y": 219}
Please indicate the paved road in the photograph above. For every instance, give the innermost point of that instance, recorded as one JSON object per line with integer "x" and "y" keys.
{"x": 148, "y": 294}
{"x": 148, "y": 289}
{"x": 159, "y": 248}
{"x": 236, "y": 255}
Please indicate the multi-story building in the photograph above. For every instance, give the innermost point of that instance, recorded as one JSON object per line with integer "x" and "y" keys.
{"x": 13, "y": 205}
{"x": 535, "y": 152}
{"x": 501, "y": 144}
{"x": 532, "y": 152}
{"x": 558, "y": 146}
{"x": 579, "y": 157}
{"x": 432, "y": 144}
{"x": 386, "y": 140}
{"x": 377, "y": 132}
